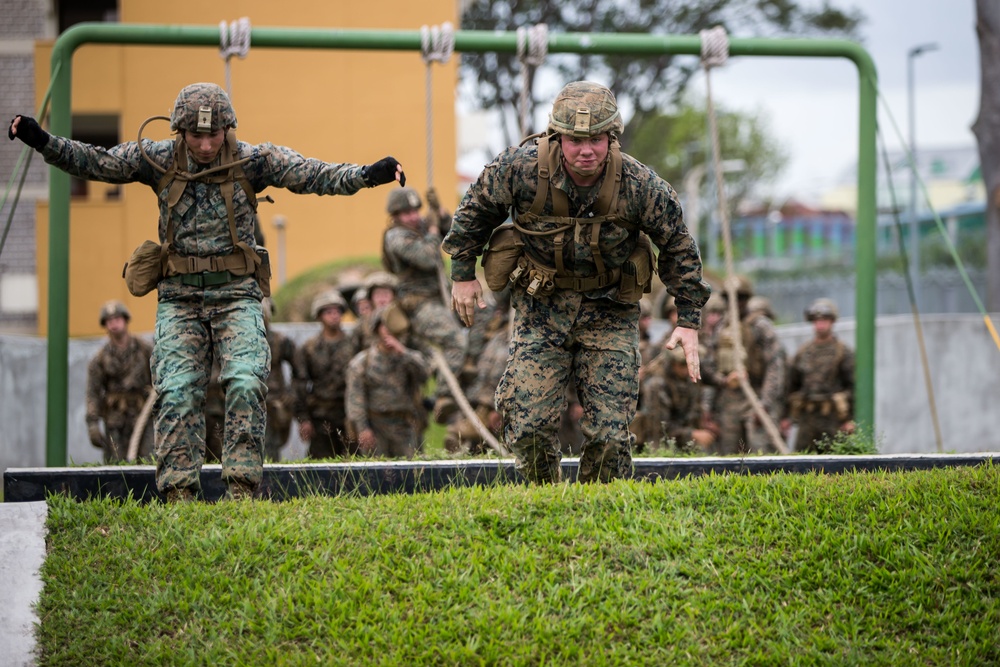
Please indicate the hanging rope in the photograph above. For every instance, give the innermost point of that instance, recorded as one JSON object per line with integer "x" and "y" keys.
{"x": 234, "y": 40}
{"x": 532, "y": 47}
{"x": 715, "y": 53}
{"x": 913, "y": 299}
{"x": 436, "y": 46}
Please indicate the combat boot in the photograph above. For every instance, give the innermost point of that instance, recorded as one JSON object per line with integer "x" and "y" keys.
{"x": 184, "y": 495}
{"x": 238, "y": 491}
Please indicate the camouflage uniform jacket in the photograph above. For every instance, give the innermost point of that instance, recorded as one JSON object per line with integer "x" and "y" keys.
{"x": 489, "y": 369}
{"x": 282, "y": 351}
{"x": 378, "y": 382}
{"x": 118, "y": 382}
{"x": 679, "y": 406}
{"x": 320, "y": 376}
{"x": 201, "y": 225}
{"x": 766, "y": 360}
{"x": 820, "y": 370}
{"x": 414, "y": 256}
{"x": 508, "y": 184}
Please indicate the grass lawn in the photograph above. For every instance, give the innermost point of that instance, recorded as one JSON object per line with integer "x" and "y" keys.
{"x": 853, "y": 569}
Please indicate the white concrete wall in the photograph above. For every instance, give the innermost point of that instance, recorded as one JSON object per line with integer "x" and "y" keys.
{"x": 964, "y": 362}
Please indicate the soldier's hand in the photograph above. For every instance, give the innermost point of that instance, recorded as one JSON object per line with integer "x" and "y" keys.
{"x": 95, "y": 435}
{"x": 465, "y": 296}
{"x": 366, "y": 441}
{"x": 384, "y": 171}
{"x": 29, "y": 131}
{"x": 306, "y": 431}
{"x": 703, "y": 438}
{"x": 688, "y": 339}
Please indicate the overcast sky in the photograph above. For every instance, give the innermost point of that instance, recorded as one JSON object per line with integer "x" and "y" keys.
{"x": 812, "y": 104}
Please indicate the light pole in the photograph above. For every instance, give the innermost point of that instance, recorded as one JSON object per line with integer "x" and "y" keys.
{"x": 280, "y": 223}
{"x": 914, "y": 225}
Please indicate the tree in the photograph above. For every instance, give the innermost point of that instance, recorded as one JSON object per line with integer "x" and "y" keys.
{"x": 642, "y": 85}
{"x": 987, "y": 131}
{"x": 675, "y": 144}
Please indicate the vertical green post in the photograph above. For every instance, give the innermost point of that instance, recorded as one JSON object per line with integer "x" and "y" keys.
{"x": 864, "y": 313}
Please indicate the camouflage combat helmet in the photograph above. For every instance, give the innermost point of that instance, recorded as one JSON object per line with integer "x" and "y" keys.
{"x": 715, "y": 304}
{"x": 402, "y": 199}
{"x": 202, "y": 107}
{"x": 114, "y": 309}
{"x": 326, "y": 299}
{"x": 761, "y": 304}
{"x": 381, "y": 279}
{"x": 394, "y": 319}
{"x": 585, "y": 109}
{"x": 822, "y": 308}
{"x": 742, "y": 285}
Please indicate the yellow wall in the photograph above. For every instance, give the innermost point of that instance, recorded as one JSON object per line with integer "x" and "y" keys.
{"x": 339, "y": 106}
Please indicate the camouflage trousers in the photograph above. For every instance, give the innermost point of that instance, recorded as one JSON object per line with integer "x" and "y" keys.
{"x": 396, "y": 434}
{"x": 739, "y": 430}
{"x": 117, "y": 438}
{"x": 813, "y": 429}
{"x": 558, "y": 339}
{"x": 188, "y": 332}
{"x": 432, "y": 323}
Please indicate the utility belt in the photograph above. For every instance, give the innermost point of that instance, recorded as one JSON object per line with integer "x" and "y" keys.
{"x": 150, "y": 264}
{"x": 826, "y": 404}
{"x": 123, "y": 402}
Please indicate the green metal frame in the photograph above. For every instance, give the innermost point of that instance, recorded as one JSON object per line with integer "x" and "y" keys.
{"x": 465, "y": 41}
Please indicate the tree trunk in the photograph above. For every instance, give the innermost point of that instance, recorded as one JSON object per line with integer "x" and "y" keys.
{"x": 987, "y": 131}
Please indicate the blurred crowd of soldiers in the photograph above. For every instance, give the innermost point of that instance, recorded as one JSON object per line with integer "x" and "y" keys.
{"x": 364, "y": 390}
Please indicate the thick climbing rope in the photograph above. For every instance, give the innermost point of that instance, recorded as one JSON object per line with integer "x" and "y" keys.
{"x": 918, "y": 327}
{"x": 532, "y": 47}
{"x": 436, "y": 46}
{"x": 234, "y": 40}
{"x": 715, "y": 53}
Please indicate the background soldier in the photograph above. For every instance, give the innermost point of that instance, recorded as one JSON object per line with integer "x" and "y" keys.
{"x": 383, "y": 385}
{"x": 118, "y": 383}
{"x": 411, "y": 249}
{"x": 280, "y": 397}
{"x": 582, "y": 206}
{"x": 674, "y": 404}
{"x": 739, "y": 429}
{"x": 320, "y": 380}
{"x": 821, "y": 383}
{"x": 209, "y": 295}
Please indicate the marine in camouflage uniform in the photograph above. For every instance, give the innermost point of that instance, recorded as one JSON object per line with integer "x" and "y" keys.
{"x": 320, "y": 380}
{"x": 821, "y": 383}
{"x": 411, "y": 249}
{"x": 209, "y": 303}
{"x": 673, "y": 403}
{"x": 581, "y": 317}
{"x": 382, "y": 384}
{"x": 118, "y": 384}
{"x": 739, "y": 429}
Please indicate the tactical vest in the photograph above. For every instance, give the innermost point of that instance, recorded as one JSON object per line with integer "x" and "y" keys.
{"x": 244, "y": 260}
{"x": 538, "y": 275}
{"x": 753, "y": 357}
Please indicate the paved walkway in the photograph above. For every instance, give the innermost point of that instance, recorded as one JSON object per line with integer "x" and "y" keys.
{"x": 22, "y": 550}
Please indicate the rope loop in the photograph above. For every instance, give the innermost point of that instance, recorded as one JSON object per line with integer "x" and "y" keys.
{"x": 533, "y": 44}
{"x": 437, "y": 43}
{"x": 714, "y": 47}
{"x": 234, "y": 38}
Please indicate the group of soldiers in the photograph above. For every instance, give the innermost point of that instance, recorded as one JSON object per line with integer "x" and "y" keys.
{"x": 813, "y": 391}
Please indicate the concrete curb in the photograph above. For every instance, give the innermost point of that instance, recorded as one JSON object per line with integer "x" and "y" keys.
{"x": 22, "y": 551}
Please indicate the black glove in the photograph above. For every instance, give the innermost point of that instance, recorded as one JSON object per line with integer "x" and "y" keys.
{"x": 382, "y": 172}
{"x": 28, "y": 131}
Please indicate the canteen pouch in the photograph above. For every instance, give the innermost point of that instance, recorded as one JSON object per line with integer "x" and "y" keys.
{"x": 263, "y": 271}
{"x": 501, "y": 255}
{"x": 143, "y": 270}
{"x": 637, "y": 272}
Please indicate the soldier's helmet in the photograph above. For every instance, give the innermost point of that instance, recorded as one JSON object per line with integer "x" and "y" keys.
{"x": 822, "y": 308}
{"x": 715, "y": 304}
{"x": 202, "y": 107}
{"x": 327, "y": 299}
{"x": 741, "y": 284}
{"x": 114, "y": 309}
{"x": 381, "y": 279}
{"x": 394, "y": 319}
{"x": 402, "y": 199}
{"x": 585, "y": 109}
{"x": 760, "y": 304}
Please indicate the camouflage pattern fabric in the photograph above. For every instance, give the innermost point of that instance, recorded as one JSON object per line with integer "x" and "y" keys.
{"x": 380, "y": 396}
{"x": 431, "y": 322}
{"x": 197, "y": 317}
{"x": 817, "y": 372}
{"x": 280, "y": 397}
{"x": 414, "y": 256}
{"x": 740, "y": 431}
{"x": 118, "y": 383}
{"x": 320, "y": 382}
{"x": 490, "y": 365}
{"x": 644, "y": 199}
{"x": 182, "y": 359}
{"x": 674, "y": 407}
{"x": 554, "y": 337}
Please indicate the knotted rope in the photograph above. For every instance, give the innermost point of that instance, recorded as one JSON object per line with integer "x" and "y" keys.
{"x": 234, "y": 40}
{"x": 436, "y": 46}
{"x": 532, "y": 47}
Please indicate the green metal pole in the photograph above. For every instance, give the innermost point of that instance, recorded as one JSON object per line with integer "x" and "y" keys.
{"x": 480, "y": 41}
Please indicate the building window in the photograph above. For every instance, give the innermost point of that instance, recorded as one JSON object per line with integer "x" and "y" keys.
{"x": 72, "y": 12}
{"x": 98, "y": 130}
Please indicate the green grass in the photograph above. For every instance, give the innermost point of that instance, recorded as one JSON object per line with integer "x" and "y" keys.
{"x": 854, "y": 569}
